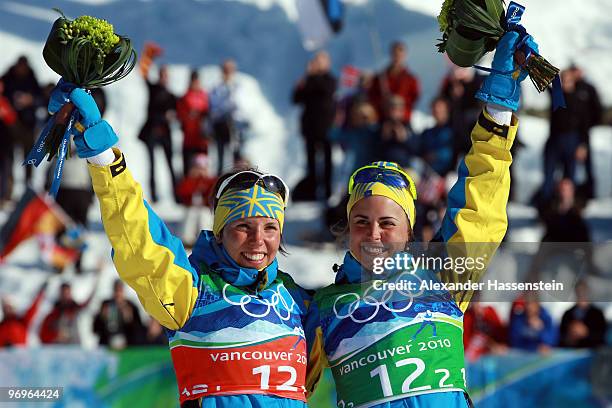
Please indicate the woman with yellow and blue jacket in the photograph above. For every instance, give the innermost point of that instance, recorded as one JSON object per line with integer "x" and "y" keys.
{"x": 390, "y": 327}
{"x": 234, "y": 321}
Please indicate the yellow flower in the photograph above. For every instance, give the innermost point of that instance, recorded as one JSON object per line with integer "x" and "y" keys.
{"x": 443, "y": 17}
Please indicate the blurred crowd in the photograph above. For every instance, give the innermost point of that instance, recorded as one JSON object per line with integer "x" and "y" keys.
{"x": 530, "y": 326}
{"x": 117, "y": 323}
{"x": 368, "y": 115}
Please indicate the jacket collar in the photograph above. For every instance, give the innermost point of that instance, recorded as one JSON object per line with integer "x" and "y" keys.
{"x": 350, "y": 271}
{"x": 207, "y": 250}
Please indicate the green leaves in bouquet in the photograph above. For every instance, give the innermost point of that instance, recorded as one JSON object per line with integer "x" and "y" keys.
{"x": 84, "y": 68}
{"x": 87, "y": 52}
{"x": 470, "y": 28}
{"x": 446, "y": 22}
{"x": 486, "y": 20}
{"x": 472, "y": 19}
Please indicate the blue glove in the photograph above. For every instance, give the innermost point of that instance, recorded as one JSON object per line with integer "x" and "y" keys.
{"x": 60, "y": 95}
{"x": 502, "y": 86}
{"x": 92, "y": 135}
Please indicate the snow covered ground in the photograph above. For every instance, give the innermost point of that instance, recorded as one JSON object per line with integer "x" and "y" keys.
{"x": 263, "y": 38}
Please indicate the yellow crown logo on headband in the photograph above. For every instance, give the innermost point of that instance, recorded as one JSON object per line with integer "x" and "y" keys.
{"x": 374, "y": 183}
{"x": 252, "y": 202}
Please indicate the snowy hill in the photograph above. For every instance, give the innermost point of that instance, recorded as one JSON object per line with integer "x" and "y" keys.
{"x": 262, "y": 37}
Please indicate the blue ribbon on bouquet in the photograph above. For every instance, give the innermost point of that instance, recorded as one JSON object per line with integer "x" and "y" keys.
{"x": 62, "y": 154}
{"x": 514, "y": 13}
{"x": 38, "y": 152}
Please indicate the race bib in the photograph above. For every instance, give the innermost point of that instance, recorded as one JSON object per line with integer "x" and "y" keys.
{"x": 420, "y": 358}
{"x": 275, "y": 367}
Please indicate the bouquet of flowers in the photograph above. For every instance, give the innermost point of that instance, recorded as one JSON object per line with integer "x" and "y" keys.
{"x": 471, "y": 28}
{"x": 88, "y": 54}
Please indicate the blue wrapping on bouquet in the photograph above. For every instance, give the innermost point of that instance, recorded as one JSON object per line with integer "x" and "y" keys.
{"x": 91, "y": 134}
{"x": 54, "y": 134}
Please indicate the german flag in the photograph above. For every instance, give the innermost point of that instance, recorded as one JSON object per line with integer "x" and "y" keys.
{"x": 32, "y": 215}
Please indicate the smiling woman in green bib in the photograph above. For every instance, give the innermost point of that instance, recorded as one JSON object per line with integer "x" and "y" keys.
{"x": 402, "y": 345}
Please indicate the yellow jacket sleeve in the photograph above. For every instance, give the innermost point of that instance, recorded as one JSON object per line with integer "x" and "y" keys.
{"x": 476, "y": 220}
{"x": 147, "y": 256}
{"x": 317, "y": 359}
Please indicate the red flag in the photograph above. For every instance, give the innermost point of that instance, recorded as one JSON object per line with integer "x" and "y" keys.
{"x": 32, "y": 215}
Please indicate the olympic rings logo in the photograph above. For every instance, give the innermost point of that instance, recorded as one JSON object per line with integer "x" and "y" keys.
{"x": 277, "y": 302}
{"x": 369, "y": 300}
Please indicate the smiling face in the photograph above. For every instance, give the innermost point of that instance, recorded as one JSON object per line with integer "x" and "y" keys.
{"x": 252, "y": 242}
{"x": 378, "y": 227}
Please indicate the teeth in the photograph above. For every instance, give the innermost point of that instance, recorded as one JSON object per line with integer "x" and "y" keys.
{"x": 253, "y": 257}
{"x": 374, "y": 250}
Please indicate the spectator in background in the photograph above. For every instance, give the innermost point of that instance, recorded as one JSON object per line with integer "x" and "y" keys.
{"x": 563, "y": 217}
{"x": 531, "y": 327}
{"x": 60, "y": 325}
{"x": 357, "y": 132}
{"x": 23, "y": 91}
{"x": 194, "y": 192}
{"x": 591, "y": 103}
{"x": 566, "y": 144}
{"x": 435, "y": 145}
{"x": 431, "y": 202}
{"x": 397, "y": 142}
{"x": 191, "y": 109}
{"x": 458, "y": 87}
{"x": 75, "y": 196}
{"x": 155, "y": 335}
{"x": 195, "y": 188}
{"x": 223, "y": 111}
{"x": 118, "y": 323}
{"x": 13, "y": 327}
{"x": 564, "y": 223}
{"x": 395, "y": 80}
{"x": 8, "y": 118}
{"x": 156, "y": 130}
{"x": 483, "y": 331}
{"x": 583, "y": 325}
{"x": 359, "y": 137}
{"x": 353, "y": 96}
{"x": 315, "y": 92}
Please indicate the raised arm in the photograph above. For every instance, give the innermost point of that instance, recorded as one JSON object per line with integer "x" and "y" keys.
{"x": 147, "y": 256}
{"x": 476, "y": 220}
{"x": 477, "y": 202}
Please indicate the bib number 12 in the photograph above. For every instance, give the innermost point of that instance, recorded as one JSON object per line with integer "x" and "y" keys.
{"x": 382, "y": 372}
{"x": 264, "y": 371}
